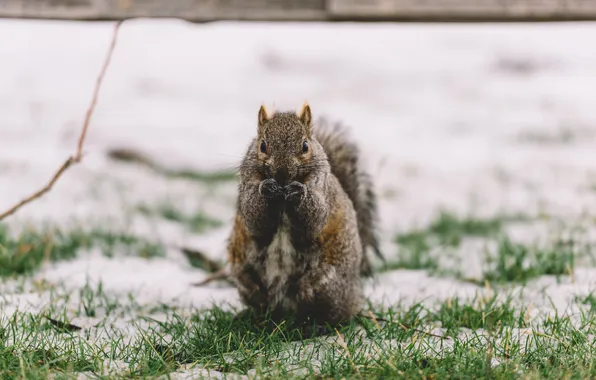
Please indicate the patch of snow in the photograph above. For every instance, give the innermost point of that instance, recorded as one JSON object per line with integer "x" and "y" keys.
{"x": 479, "y": 119}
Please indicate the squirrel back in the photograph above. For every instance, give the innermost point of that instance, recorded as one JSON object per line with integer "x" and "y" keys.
{"x": 343, "y": 155}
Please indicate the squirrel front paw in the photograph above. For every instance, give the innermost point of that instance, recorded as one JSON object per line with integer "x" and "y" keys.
{"x": 270, "y": 189}
{"x": 295, "y": 192}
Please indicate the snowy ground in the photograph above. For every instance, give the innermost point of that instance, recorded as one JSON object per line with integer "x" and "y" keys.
{"x": 475, "y": 119}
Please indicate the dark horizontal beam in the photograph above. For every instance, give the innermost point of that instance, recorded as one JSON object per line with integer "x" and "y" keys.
{"x": 304, "y": 10}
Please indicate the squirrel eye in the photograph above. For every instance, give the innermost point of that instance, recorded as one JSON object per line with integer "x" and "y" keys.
{"x": 263, "y": 146}
{"x": 304, "y": 146}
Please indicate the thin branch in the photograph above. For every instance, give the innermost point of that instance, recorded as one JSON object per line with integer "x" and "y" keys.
{"x": 76, "y": 158}
{"x": 376, "y": 320}
{"x": 201, "y": 260}
{"x": 221, "y": 275}
{"x": 65, "y": 326}
{"x": 343, "y": 344}
{"x": 419, "y": 331}
{"x": 98, "y": 83}
{"x": 41, "y": 192}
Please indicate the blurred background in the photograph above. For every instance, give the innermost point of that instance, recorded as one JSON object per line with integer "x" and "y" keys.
{"x": 475, "y": 118}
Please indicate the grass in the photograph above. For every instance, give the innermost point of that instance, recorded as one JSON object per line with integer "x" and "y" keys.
{"x": 520, "y": 263}
{"x": 481, "y": 313}
{"x": 197, "y": 222}
{"x": 94, "y": 302}
{"x": 213, "y": 339}
{"x": 209, "y": 178}
{"x": 27, "y": 252}
{"x": 412, "y": 260}
{"x": 512, "y": 263}
{"x": 589, "y": 300}
{"x": 448, "y": 230}
{"x": 486, "y": 337}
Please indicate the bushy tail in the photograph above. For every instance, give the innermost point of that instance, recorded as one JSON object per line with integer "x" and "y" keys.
{"x": 344, "y": 158}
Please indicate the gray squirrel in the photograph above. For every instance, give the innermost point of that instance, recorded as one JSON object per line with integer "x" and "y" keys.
{"x": 306, "y": 214}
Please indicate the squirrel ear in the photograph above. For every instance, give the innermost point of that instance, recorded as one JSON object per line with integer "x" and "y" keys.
{"x": 306, "y": 117}
{"x": 263, "y": 117}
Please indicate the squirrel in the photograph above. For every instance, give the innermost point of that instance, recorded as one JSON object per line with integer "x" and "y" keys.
{"x": 306, "y": 215}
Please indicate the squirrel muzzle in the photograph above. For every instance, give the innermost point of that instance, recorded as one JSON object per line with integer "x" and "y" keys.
{"x": 281, "y": 176}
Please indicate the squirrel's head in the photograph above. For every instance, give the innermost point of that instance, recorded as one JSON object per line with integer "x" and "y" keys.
{"x": 285, "y": 145}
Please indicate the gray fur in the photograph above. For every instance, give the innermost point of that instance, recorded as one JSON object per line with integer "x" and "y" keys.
{"x": 344, "y": 157}
{"x": 302, "y": 222}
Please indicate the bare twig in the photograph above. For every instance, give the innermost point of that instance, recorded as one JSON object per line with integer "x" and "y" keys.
{"x": 376, "y": 320}
{"x": 373, "y": 318}
{"x": 222, "y": 274}
{"x": 65, "y": 326}
{"x": 406, "y": 327}
{"x": 201, "y": 260}
{"x": 98, "y": 83}
{"x": 76, "y": 158}
{"x": 217, "y": 271}
{"x": 343, "y": 344}
{"x": 41, "y": 192}
{"x": 134, "y": 156}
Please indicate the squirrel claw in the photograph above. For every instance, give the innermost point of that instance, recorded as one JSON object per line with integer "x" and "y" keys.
{"x": 294, "y": 192}
{"x": 270, "y": 189}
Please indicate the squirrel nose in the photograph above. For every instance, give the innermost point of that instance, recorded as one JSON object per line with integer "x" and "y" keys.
{"x": 281, "y": 176}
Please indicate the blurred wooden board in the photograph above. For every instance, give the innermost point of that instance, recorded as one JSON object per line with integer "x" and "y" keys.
{"x": 463, "y": 10}
{"x": 304, "y": 10}
{"x": 191, "y": 10}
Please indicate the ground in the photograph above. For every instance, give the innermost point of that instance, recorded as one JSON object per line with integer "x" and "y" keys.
{"x": 479, "y": 137}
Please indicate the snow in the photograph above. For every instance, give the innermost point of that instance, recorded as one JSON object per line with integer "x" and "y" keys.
{"x": 473, "y": 118}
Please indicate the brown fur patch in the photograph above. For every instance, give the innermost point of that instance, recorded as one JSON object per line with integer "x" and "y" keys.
{"x": 239, "y": 242}
{"x": 331, "y": 238}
